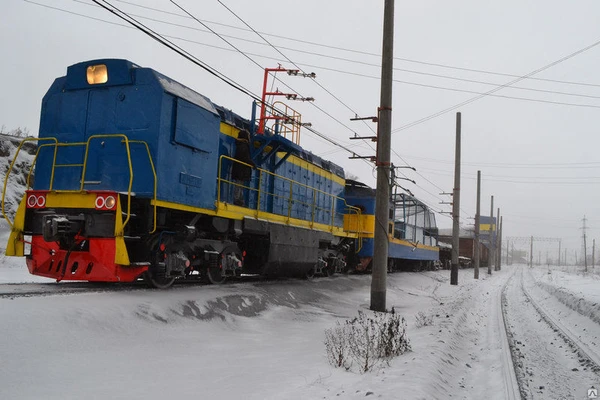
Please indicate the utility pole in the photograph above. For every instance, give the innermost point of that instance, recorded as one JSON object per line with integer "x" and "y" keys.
{"x": 496, "y": 241}
{"x": 512, "y": 254}
{"x": 559, "y": 245}
{"x": 477, "y": 212}
{"x": 456, "y": 207}
{"x": 585, "y": 253}
{"x": 584, "y": 244}
{"x": 531, "y": 254}
{"x": 491, "y": 241}
{"x": 500, "y": 243}
{"x": 382, "y": 202}
{"x": 593, "y": 253}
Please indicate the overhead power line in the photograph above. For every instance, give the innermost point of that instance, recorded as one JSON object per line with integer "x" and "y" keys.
{"x": 329, "y": 56}
{"x": 552, "y": 64}
{"x": 368, "y": 76}
{"x": 360, "y": 52}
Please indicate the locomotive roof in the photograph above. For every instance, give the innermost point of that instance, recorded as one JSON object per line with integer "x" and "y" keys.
{"x": 122, "y": 73}
{"x": 360, "y": 188}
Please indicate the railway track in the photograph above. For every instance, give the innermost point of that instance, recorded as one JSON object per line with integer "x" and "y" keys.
{"x": 571, "y": 337}
{"x": 15, "y": 290}
{"x": 512, "y": 384}
{"x": 549, "y": 359}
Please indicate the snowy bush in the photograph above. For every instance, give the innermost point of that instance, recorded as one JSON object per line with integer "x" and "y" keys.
{"x": 365, "y": 341}
{"x": 423, "y": 320}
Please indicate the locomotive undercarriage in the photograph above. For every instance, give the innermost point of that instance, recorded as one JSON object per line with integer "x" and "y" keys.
{"x": 196, "y": 246}
{"x": 80, "y": 244}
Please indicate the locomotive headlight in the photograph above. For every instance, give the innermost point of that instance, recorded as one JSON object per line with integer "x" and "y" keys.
{"x": 110, "y": 202}
{"x": 105, "y": 202}
{"x": 97, "y": 74}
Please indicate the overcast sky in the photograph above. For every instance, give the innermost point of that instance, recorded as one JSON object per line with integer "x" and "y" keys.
{"x": 536, "y": 144}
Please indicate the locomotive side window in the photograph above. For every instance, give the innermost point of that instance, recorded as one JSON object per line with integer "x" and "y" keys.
{"x": 97, "y": 74}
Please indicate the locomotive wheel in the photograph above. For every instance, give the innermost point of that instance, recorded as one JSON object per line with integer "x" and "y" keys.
{"x": 158, "y": 282}
{"x": 214, "y": 273}
{"x": 309, "y": 274}
{"x": 215, "y": 276}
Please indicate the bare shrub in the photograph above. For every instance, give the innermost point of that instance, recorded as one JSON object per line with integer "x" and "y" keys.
{"x": 366, "y": 341}
{"x": 336, "y": 345}
{"x": 423, "y": 320}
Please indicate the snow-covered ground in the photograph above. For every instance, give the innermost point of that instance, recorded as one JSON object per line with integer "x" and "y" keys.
{"x": 265, "y": 340}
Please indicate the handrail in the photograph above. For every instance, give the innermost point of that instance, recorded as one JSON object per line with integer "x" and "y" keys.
{"x": 286, "y": 119}
{"x": 155, "y": 178}
{"x": 314, "y": 206}
{"x": 28, "y": 139}
{"x": 56, "y": 144}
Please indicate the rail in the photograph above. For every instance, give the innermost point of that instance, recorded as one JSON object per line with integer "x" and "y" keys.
{"x": 83, "y": 165}
{"x": 315, "y": 208}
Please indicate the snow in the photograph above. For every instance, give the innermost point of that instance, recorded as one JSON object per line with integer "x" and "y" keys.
{"x": 265, "y": 340}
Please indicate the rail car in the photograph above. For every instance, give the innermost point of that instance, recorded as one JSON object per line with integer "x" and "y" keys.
{"x": 132, "y": 179}
{"x": 412, "y": 230}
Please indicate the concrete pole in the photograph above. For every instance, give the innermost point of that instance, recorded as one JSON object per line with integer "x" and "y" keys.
{"x": 476, "y": 256}
{"x": 456, "y": 207}
{"x": 382, "y": 201}
{"x": 559, "y": 245}
{"x": 593, "y": 253}
{"x": 496, "y": 240}
{"x": 531, "y": 254}
{"x": 500, "y": 246}
{"x": 512, "y": 254}
{"x": 490, "y": 241}
{"x": 585, "y": 252}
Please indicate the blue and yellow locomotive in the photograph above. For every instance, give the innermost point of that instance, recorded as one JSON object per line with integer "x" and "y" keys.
{"x": 132, "y": 178}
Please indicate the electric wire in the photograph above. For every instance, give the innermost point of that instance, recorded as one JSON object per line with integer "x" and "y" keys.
{"x": 321, "y": 55}
{"x": 371, "y": 76}
{"x": 149, "y": 32}
{"x": 355, "y": 51}
{"x": 261, "y": 67}
{"x": 293, "y": 63}
{"x": 552, "y": 64}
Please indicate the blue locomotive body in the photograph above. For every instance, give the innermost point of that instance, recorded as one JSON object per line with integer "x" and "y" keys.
{"x": 183, "y": 132}
{"x": 129, "y": 155}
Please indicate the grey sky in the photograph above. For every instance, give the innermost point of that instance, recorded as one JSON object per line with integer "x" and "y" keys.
{"x": 539, "y": 160}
